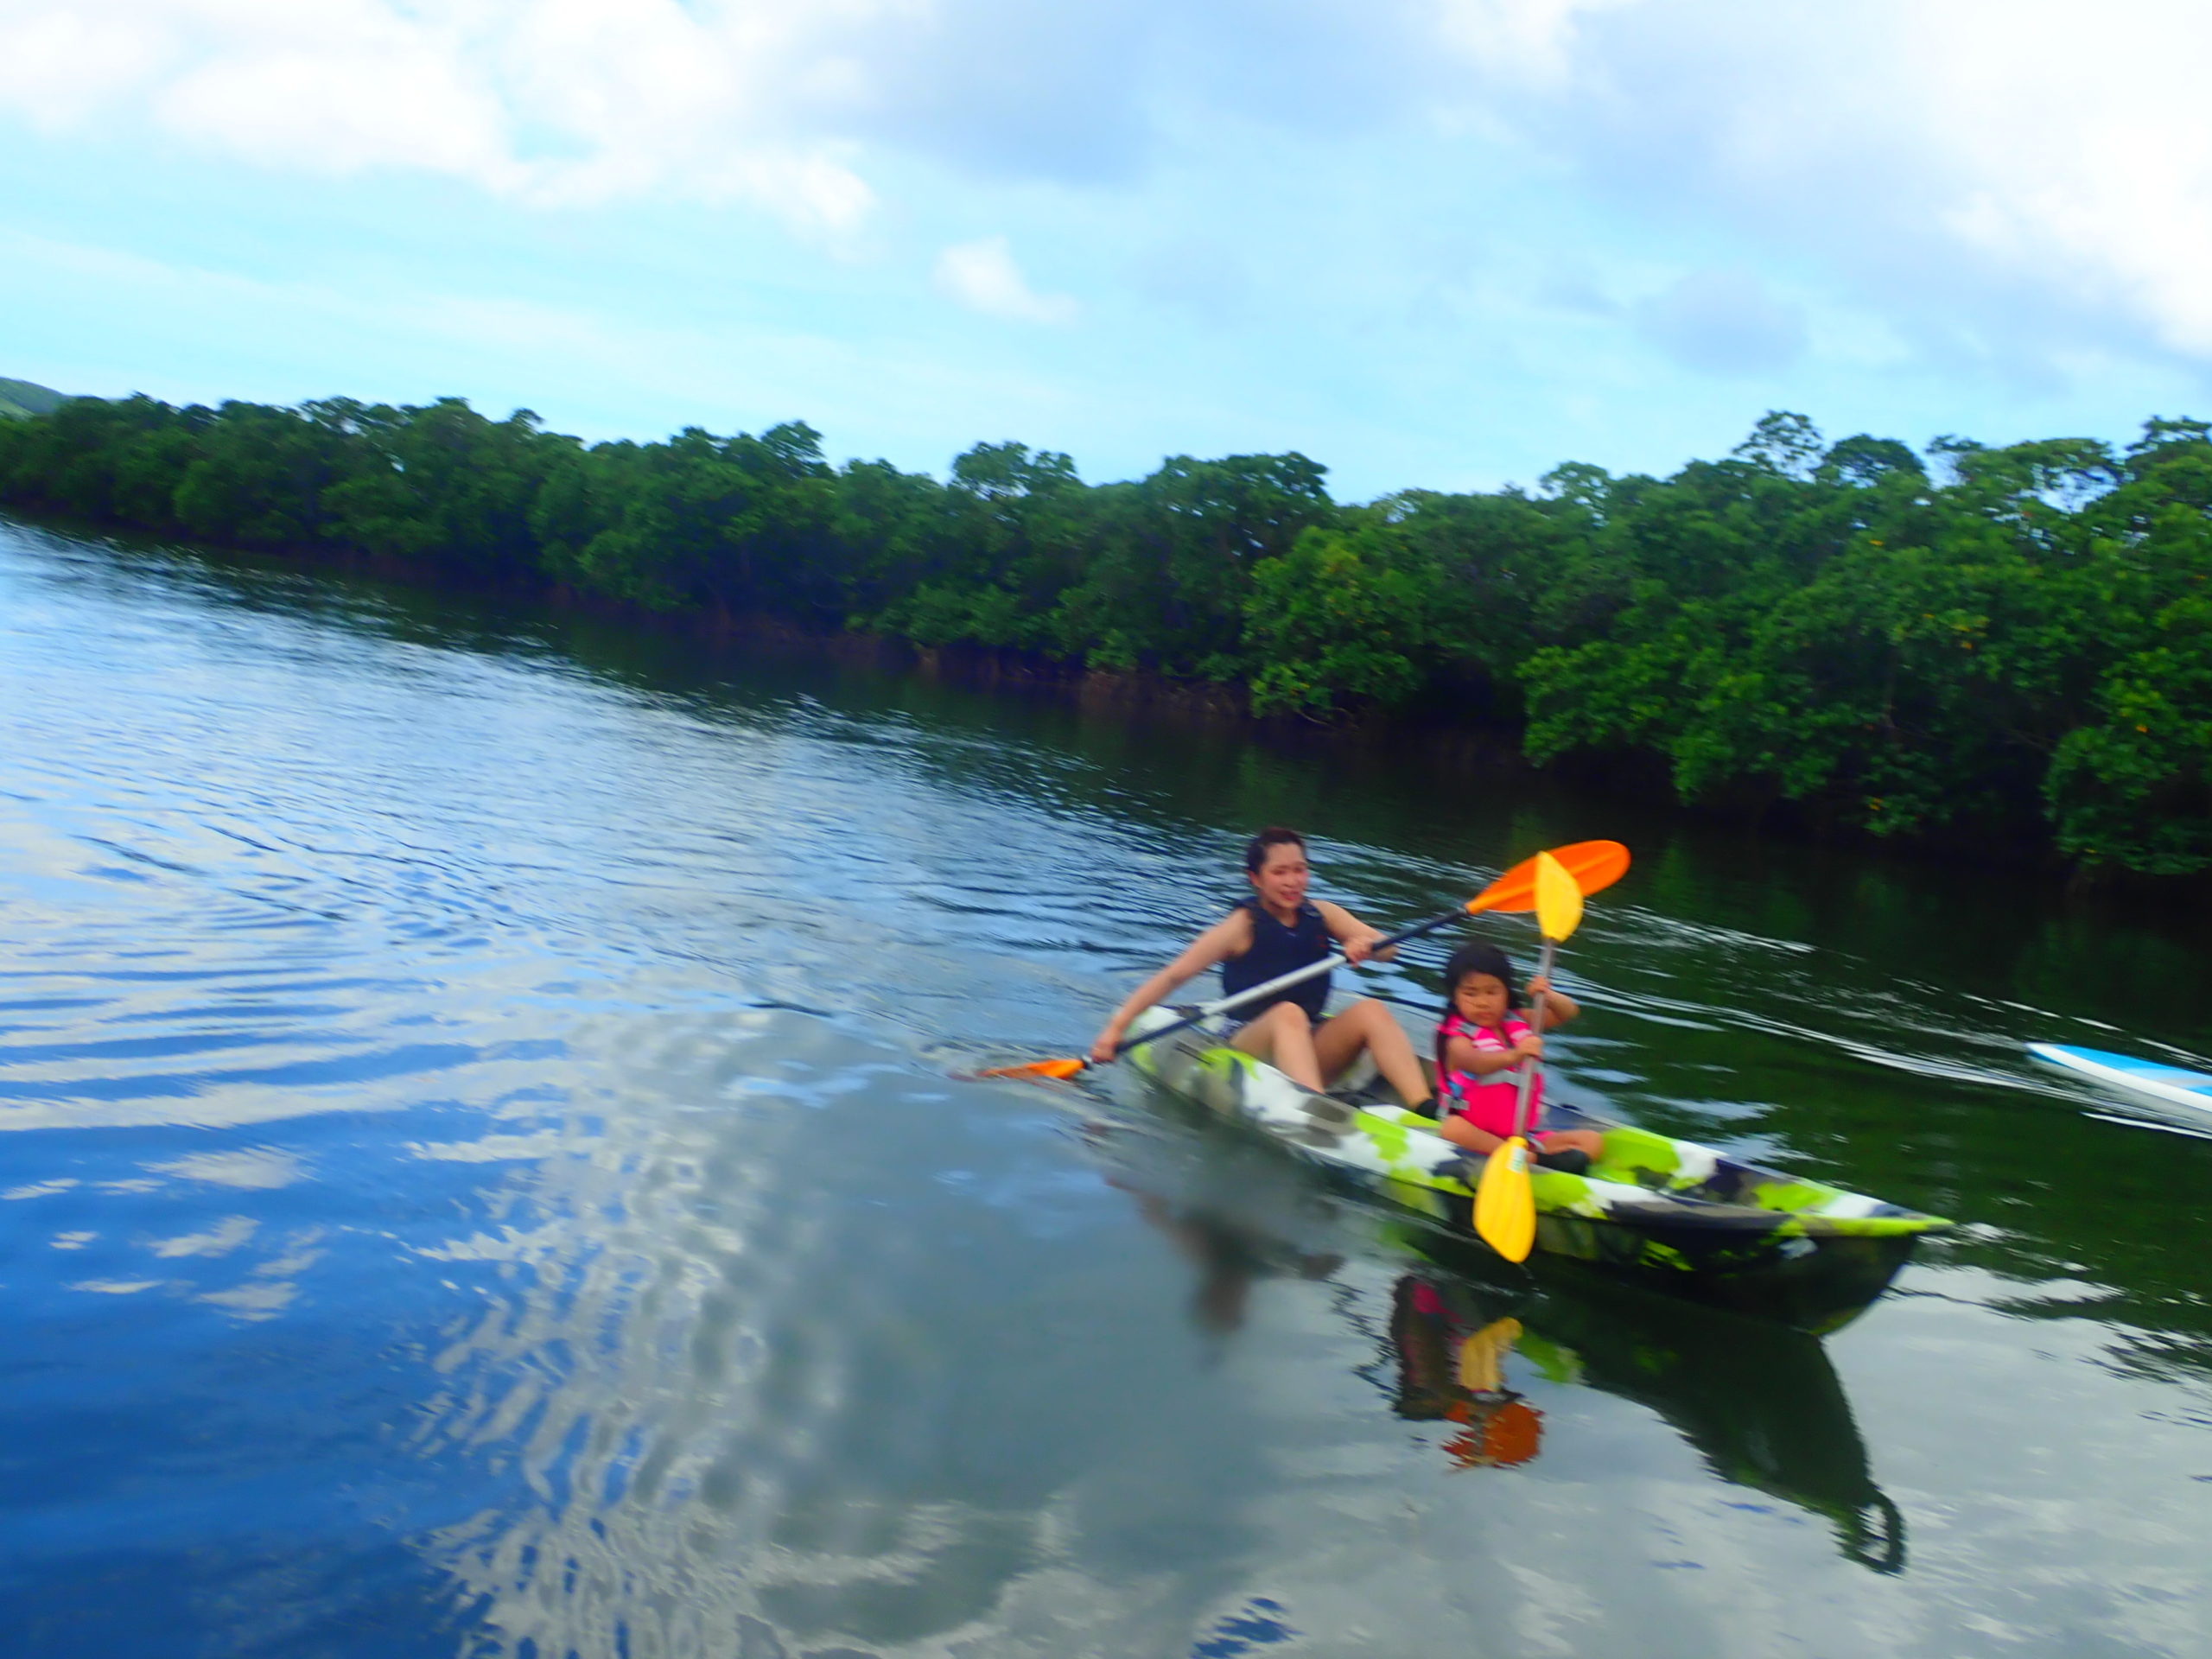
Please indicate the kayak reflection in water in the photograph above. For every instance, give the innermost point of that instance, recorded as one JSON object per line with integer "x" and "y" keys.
{"x": 1759, "y": 1403}
{"x": 1274, "y": 930}
{"x": 1229, "y": 1260}
{"x": 1452, "y": 1373}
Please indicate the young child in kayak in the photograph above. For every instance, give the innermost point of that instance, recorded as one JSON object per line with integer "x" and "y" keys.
{"x": 1481, "y": 1044}
{"x": 1274, "y": 930}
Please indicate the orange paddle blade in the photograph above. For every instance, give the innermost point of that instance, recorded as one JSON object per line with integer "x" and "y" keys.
{"x": 1594, "y": 865}
{"x": 1059, "y": 1071}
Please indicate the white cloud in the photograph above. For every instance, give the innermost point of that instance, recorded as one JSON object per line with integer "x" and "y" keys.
{"x": 983, "y": 277}
{"x": 2085, "y": 153}
{"x": 382, "y": 98}
{"x": 1531, "y": 40}
{"x": 62, "y": 67}
{"x": 1987, "y": 165}
{"x": 557, "y": 100}
{"x": 1986, "y": 176}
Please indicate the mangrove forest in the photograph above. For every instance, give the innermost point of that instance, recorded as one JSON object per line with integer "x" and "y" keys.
{"x": 2010, "y": 645}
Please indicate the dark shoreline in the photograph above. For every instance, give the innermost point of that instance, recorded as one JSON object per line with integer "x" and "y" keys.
{"x": 1488, "y": 755}
{"x": 1996, "y": 654}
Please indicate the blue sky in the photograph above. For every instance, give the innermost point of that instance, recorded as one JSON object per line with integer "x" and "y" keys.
{"x": 1445, "y": 243}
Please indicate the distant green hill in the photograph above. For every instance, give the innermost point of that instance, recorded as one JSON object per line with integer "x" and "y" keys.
{"x": 23, "y": 397}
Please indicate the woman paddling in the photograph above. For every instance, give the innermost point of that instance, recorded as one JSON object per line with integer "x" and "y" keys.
{"x": 1278, "y": 928}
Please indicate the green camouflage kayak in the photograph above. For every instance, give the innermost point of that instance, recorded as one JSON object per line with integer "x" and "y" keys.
{"x": 1669, "y": 1214}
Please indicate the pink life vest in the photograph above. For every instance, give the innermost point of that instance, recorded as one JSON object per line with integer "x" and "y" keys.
{"x": 1488, "y": 1102}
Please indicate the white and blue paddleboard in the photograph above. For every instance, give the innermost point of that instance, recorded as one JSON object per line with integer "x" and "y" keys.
{"x": 2172, "y": 1086}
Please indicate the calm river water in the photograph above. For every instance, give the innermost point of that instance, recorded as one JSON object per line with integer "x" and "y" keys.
{"x": 484, "y": 1180}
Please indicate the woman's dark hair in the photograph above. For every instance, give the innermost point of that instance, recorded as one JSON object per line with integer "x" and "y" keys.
{"x": 1480, "y": 958}
{"x": 1255, "y": 850}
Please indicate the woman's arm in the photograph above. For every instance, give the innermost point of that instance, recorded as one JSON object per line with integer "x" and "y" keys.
{"x": 1230, "y": 936}
{"x": 1355, "y": 936}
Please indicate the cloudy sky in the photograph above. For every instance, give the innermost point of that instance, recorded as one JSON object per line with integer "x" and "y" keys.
{"x": 1447, "y": 243}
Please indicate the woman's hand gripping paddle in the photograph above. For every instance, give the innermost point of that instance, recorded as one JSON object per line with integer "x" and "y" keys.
{"x": 1505, "y": 1206}
{"x": 1592, "y": 864}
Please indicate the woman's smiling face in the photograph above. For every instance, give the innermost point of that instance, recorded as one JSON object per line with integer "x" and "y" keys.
{"x": 1281, "y": 878}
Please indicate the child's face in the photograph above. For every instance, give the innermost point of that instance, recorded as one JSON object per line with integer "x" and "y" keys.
{"x": 1479, "y": 999}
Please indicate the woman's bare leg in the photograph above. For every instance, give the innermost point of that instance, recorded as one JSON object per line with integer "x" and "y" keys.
{"x": 1367, "y": 1024}
{"x": 1283, "y": 1037}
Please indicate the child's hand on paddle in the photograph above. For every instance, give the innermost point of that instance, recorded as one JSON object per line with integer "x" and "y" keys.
{"x": 1530, "y": 1047}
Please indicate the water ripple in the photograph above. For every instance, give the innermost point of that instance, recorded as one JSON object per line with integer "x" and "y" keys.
{"x": 483, "y": 1180}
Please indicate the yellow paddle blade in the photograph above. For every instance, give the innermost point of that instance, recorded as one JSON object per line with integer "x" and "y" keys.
{"x": 1558, "y": 898}
{"x": 1595, "y": 866}
{"x": 1482, "y": 1355}
{"x": 1059, "y": 1071}
{"x": 1505, "y": 1208}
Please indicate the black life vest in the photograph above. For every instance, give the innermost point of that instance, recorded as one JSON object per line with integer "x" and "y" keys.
{"x": 1277, "y": 950}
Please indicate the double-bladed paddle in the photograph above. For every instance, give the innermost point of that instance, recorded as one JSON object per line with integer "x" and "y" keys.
{"x": 1505, "y": 1204}
{"x": 1592, "y": 864}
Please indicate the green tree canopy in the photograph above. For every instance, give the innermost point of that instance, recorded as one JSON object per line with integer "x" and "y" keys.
{"x": 1971, "y": 640}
